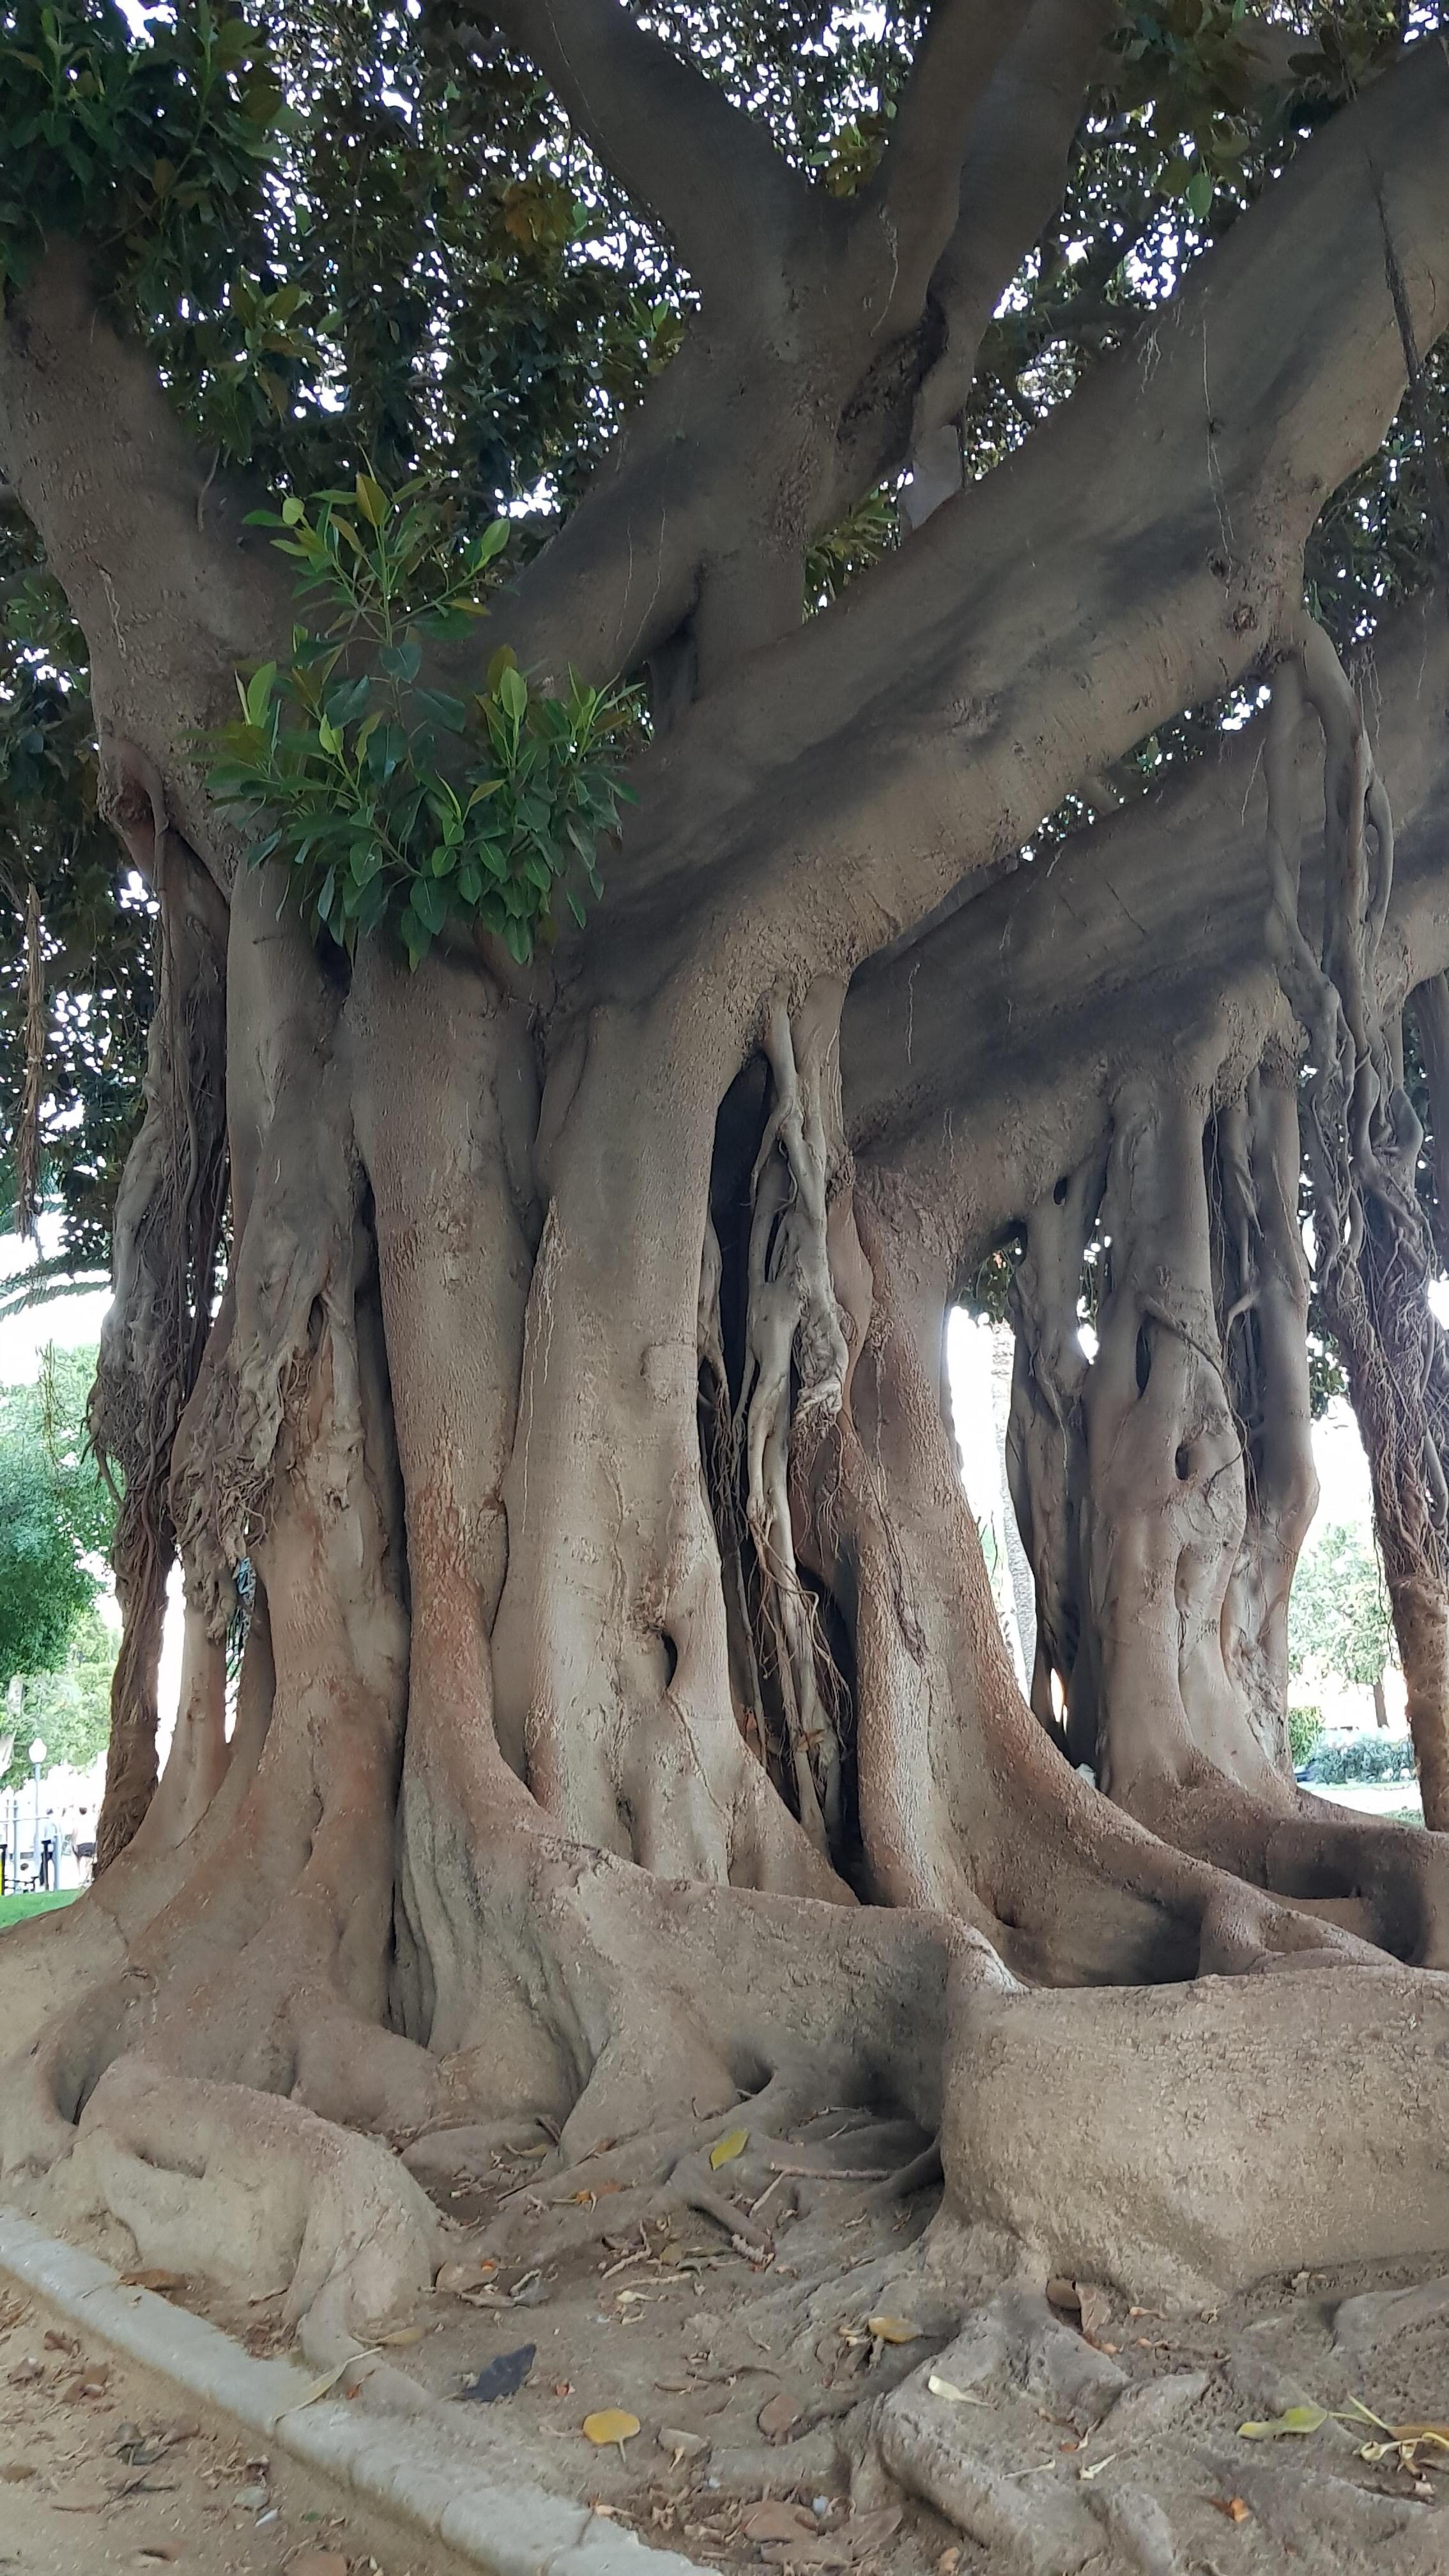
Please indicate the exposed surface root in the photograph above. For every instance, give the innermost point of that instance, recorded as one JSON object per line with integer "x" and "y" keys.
{"x": 254, "y": 2193}
{"x": 1160, "y": 2180}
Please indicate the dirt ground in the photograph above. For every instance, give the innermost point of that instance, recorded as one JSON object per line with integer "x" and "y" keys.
{"x": 746, "y": 2350}
{"x": 712, "y": 2366}
{"x": 101, "y": 2469}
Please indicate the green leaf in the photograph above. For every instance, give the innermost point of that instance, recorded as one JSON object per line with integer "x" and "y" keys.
{"x": 512, "y": 692}
{"x": 1199, "y": 193}
{"x": 1294, "y": 2419}
{"x": 372, "y": 501}
{"x": 401, "y": 661}
{"x": 257, "y": 696}
{"x": 293, "y": 511}
{"x": 444, "y": 708}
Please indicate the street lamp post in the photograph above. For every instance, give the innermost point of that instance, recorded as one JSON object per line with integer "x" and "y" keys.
{"x": 37, "y": 1756}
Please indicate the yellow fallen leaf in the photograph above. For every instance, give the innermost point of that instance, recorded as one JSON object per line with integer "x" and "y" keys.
{"x": 725, "y": 2149}
{"x": 892, "y": 2329}
{"x": 611, "y": 2424}
{"x": 399, "y": 2336}
{"x": 1294, "y": 2419}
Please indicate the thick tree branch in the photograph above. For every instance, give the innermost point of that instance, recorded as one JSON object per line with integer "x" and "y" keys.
{"x": 924, "y": 727}
{"x": 1011, "y": 180}
{"x": 170, "y": 588}
{"x": 708, "y": 174}
{"x": 917, "y": 190}
{"x": 979, "y": 1063}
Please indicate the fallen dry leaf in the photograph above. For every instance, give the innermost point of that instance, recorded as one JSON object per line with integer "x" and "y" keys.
{"x": 1094, "y": 2308}
{"x": 725, "y": 2149}
{"x": 55, "y": 2341}
{"x": 84, "y": 2499}
{"x": 1233, "y": 2506}
{"x": 464, "y": 2276}
{"x": 26, "y": 2373}
{"x": 610, "y": 2424}
{"x": 770, "y": 2520}
{"x": 317, "y": 2562}
{"x": 151, "y": 2277}
{"x": 892, "y": 2329}
{"x": 682, "y": 2445}
{"x": 90, "y": 2383}
{"x": 777, "y": 2415}
{"x": 955, "y": 2396}
{"x": 399, "y": 2337}
{"x": 154, "y": 2552}
{"x": 14, "y": 2472}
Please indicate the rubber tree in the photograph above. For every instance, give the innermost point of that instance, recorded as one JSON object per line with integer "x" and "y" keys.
{"x": 624, "y": 1727}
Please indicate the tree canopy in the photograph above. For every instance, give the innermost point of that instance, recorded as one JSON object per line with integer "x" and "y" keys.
{"x": 377, "y": 242}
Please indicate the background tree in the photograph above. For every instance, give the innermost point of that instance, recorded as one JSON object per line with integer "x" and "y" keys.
{"x": 56, "y": 1521}
{"x": 624, "y": 1726}
{"x": 1338, "y": 1619}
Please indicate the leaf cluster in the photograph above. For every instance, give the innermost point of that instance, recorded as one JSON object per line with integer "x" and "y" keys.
{"x": 151, "y": 151}
{"x": 395, "y": 806}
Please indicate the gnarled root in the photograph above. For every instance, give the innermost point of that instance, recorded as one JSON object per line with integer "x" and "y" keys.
{"x": 256, "y": 2194}
{"x": 1156, "y": 2173}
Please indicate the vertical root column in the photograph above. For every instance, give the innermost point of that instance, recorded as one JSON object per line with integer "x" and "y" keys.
{"x": 167, "y": 1230}
{"x": 610, "y": 1651}
{"x": 1165, "y": 1464}
{"x": 1263, "y": 1303}
{"x": 796, "y": 1364}
{"x": 1046, "y": 1444}
{"x": 1373, "y": 1245}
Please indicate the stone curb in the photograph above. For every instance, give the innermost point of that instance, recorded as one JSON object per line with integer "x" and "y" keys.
{"x": 407, "y": 2467}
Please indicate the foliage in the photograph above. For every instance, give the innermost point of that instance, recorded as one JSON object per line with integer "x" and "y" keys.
{"x": 362, "y": 239}
{"x": 1338, "y": 1616}
{"x": 70, "y": 1708}
{"x": 338, "y": 755}
{"x": 55, "y": 1513}
{"x": 1305, "y": 1732}
{"x": 1363, "y": 1759}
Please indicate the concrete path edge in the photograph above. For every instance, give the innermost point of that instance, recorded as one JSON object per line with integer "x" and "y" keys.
{"x": 401, "y": 2464}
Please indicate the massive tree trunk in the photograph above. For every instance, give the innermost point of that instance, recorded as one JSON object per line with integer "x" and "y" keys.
{"x": 625, "y": 1727}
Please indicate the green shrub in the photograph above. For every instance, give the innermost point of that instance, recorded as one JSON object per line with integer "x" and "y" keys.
{"x": 1305, "y": 1730}
{"x": 1363, "y": 1759}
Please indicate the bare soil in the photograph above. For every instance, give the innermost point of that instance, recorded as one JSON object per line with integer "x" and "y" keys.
{"x": 754, "y": 2377}
{"x": 102, "y": 2468}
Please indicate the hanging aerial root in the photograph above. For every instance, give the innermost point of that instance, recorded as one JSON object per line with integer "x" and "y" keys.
{"x": 1374, "y": 1248}
{"x": 797, "y": 1362}
{"x": 164, "y": 1251}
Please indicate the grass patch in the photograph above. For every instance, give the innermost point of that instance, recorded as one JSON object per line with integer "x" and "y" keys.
{"x": 14, "y": 1909}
